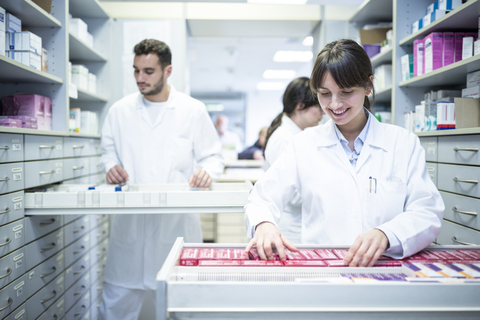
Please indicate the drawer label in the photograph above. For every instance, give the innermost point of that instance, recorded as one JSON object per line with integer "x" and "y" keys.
{"x": 17, "y": 176}
{"x": 431, "y": 150}
{"x": 18, "y": 234}
{"x": 58, "y": 171}
{"x": 18, "y": 286}
{"x": 31, "y": 275}
{"x": 60, "y": 281}
{"x": 16, "y": 140}
{"x": 431, "y": 169}
{"x": 16, "y": 170}
{"x": 59, "y": 165}
{"x": 18, "y": 264}
{"x": 19, "y": 227}
{"x": 430, "y": 142}
{"x": 16, "y": 147}
{"x": 17, "y": 206}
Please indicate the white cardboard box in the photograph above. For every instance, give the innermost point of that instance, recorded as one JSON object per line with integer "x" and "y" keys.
{"x": 12, "y": 23}
{"x": 80, "y": 76}
{"x": 467, "y": 47}
{"x": 79, "y": 28}
{"x": 26, "y": 57}
{"x": 471, "y": 92}
{"x": 2, "y": 31}
{"x": 473, "y": 79}
{"x": 92, "y": 83}
{"x": 23, "y": 41}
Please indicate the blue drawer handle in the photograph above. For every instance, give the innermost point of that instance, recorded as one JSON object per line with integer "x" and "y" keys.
{"x": 10, "y": 301}
{"x": 7, "y": 210}
{"x": 466, "y": 149}
{"x": 466, "y": 181}
{"x": 48, "y": 299}
{"x": 9, "y": 271}
{"x": 471, "y": 213}
{"x": 4, "y": 244}
{"x": 461, "y": 242}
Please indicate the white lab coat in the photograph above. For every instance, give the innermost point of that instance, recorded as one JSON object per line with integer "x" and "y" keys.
{"x": 290, "y": 223}
{"x": 337, "y": 204}
{"x": 155, "y": 152}
{"x": 230, "y": 139}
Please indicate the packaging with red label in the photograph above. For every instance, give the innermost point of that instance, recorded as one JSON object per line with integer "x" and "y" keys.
{"x": 335, "y": 263}
{"x": 475, "y": 254}
{"x": 305, "y": 263}
{"x": 222, "y": 254}
{"x": 387, "y": 264}
{"x": 219, "y": 263}
{"x": 293, "y": 255}
{"x": 443, "y": 255}
{"x": 206, "y": 254}
{"x": 325, "y": 254}
{"x": 262, "y": 263}
{"x": 253, "y": 254}
{"x": 309, "y": 255}
{"x": 340, "y": 253}
{"x": 189, "y": 257}
{"x": 239, "y": 254}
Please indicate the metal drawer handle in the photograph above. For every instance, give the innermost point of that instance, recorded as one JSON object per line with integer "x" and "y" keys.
{"x": 46, "y": 249}
{"x": 466, "y": 149}
{"x": 9, "y": 271}
{"x": 466, "y": 181}
{"x": 46, "y": 223}
{"x": 7, "y": 210}
{"x": 78, "y": 230}
{"x": 6, "y": 179}
{"x": 10, "y": 301}
{"x": 79, "y": 313}
{"x": 4, "y": 244}
{"x": 471, "y": 213}
{"x": 46, "y": 147}
{"x": 79, "y": 292}
{"x": 101, "y": 234}
{"x": 50, "y": 273}
{"x": 78, "y": 147}
{"x": 5, "y": 148}
{"x": 78, "y": 251}
{"x": 461, "y": 242}
{"x": 45, "y": 300}
{"x": 78, "y": 167}
{"x": 79, "y": 271}
{"x": 46, "y": 172}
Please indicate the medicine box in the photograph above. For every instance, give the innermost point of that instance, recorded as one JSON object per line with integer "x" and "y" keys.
{"x": 11, "y": 123}
{"x": 427, "y": 19}
{"x": 80, "y": 76}
{"x": 407, "y": 66}
{"x": 47, "y": 111}
{"x": 92, "y": 83}
{"x": 2, "y": 31}
{"x": 471, "y": 92}
{"x": 467, "y": 113}
{"x": 26, "y": 57}
{"x": 458, "y": 43}
{"x": 418, "y": 46}
{"x": 473, "y": 79}
{"x": 31, "y": 105}
{"x": 79, "y": 28}
{"x": 437, "y": 14}
{"x": 417, "y": 25}
{"x": 419, "y": 118}
{"x": 383, "y": 76}
{"x": 476, "y": 47}
{"x": 445, "y": 115}
{"x": 432, "y": 7}
{"x": 12, "y": 23}
{"x": 24, "y": 41}
{"x": 449, "y": 4}
{"x": 433, "y": 51}
{"x": 467, "y": 47}
{"x": 448, "y": 48}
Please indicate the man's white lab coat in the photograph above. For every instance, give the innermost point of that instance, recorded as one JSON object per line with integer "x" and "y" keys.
{"x": 389, "y": 188}
{"x": 155, "y": 152}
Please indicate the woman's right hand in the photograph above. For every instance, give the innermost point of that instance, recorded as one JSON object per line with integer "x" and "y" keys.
{"x": 266, "y": 235}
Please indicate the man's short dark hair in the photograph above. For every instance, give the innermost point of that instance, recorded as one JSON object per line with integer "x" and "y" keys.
{"x": 160, "y": 48}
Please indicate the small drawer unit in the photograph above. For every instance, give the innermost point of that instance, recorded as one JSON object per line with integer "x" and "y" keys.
{"x": 430, "y": 144}
{"x": 12, "y": 237}
{"x": 56, "y": 311}
{"x": 99, "y": 233}
{"x": 12, "y": 177}
{"x": 11, "y": 147}
{"x": 459, "y": 179}
{"x": 77, "y": 270}
{"x": 75, "y": 167}
{"x": 12, "y": 296}
{"x": 12, "y": 266}
{"x": 38, "y": 226}
{"x": 44, "y": 273}
{"x": 39, "y": 173}
{"x": 99, "y": 251}
{"x": 462, "y": 210}
{"x": 43, "y": 147}
{"x": 75, "y": 292}
{"x": 463, "y": 149}
{"x": 80, "y": 310}
{"x": 12, "y": 207}
{"x": 43, "y": 248}
{"x": 455, "y": 234}
{"x": 77, "y": 249}
{"x": 432, "y": 168}
{"x": 76, "y": 147}
{"x": 43, "y": 299}
{"x": 19, "y": 314}
{"x": 76, "y": 229}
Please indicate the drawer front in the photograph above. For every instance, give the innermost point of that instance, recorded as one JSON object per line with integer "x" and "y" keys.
{"x": 43, "y": 172}
{"x": 46, "y": 297}
{"x": 98, "y": 251}
{"x": 459, "y": 179}
{"x": 44, "y": 273}
{"x": 77, "y": 249}
{"x": 38, "y": 226}
{"x": 76, "y": 147}
{"x": 77, "y": 229}
{"x": 71, "y": 217}
{"x": 459, "y": 149}
{"x": 80, "y": 309}
{"x": 95, "y": 165}
{"x": 19, "y": 314}
{"x": 77, "y": 270}
{"x": 432, "y": 168}
{"x": 43, "y": 248}
{"x": 430, "y": 144}
{"x": 75, "y": 292}
{"x": 75, "y": 167}
{"x": 12, "y": 266}
{"x": 98, "y": 234}
{"x": 97, "y": 270}
{"x": 95, "y": 147}
{"x": 96, "y": 290}
{"x": 11, "y": 147}
{"x": 12, "y": 296}
{"x": 455, "y": 234}
{"x": 12, "y": 177}
{"x": 12, "y": 237}
{"x": 56, "y": 311}
{"x": 43, "y": 147}
{"x": 98, "y": 179}
{"x": 12, "y": 207}
{"x": 462, "y": 210}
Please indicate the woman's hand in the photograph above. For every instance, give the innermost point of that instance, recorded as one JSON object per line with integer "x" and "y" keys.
{"x": 366, "y": 249}
{"x": 266, "y": 235}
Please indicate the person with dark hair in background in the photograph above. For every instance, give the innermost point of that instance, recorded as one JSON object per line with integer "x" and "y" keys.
{"x": 362, "y": 183}
{"x": 300, "y": 111}
{"x": 155, "y": 136}
{"x": 255, "y": 152}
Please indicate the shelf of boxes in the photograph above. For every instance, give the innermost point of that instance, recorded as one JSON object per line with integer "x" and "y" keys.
{"x": 84, "y": 95}
{"x": 81, "y": 51}
{"x": 14, "y": 71}
{"x": 30, "y": 13}
{"x": 382, "y": 58}
{"x": 372, "y": 11}
{"x": 91, "y": 9}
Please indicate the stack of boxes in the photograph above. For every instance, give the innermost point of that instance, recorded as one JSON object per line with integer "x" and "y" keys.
{"x": 83, "y": 121}
{"x": 434, "y": 12}
{"x": 79, "y": 28}
{"x": 83, "y": 79}
{"x": 32, "y": 110}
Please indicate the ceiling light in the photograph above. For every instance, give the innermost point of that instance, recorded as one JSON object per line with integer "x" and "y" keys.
{"x": 270, "y": 86}
{"x": 293, "y": 56}
{"x": 213, "y": 107}
{"x": 308, "y": 41}
{"x": 278, "y": 1}
{"x": 279, "y": 74}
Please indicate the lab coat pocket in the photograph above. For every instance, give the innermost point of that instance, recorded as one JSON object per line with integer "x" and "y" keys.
{"x": 386, "y": 203}
{"x": 182, "y": 152}
{"x": 124, "y": 228}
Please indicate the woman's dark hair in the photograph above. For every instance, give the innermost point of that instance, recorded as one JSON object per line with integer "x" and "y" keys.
{"x": 160, "y": 48}
{"x": 349, "y": 65}
{"x": 298, "y": 91}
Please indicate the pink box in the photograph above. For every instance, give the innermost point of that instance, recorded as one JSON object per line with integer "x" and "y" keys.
{"x": 24, "y": 118}
{"x": 8, "y": 106}
{"x": 14, "y": 123}
{"x": 325, "y": 254}
{"x": 222, "y": 254}
{"x": 309, "y": 254}
{"x": 253, "y": 254}
{"x": 340, "y": 253}
{"x": 418, "y": 46}
{"x": 206, "y": 254}
{"x": 448, "y": 48}
{"x": 433, "y": 53}
{"x": 262, "y": 263}
{"x": 293, "y": 255}
{"x": 30, "y": 125}
{"x": 305, "y": 263}
{"x": 335, "y": 263}
{"x": 475, "y": 254}
{"x": 189, "y": 257}
{"x": 458, "y": 44}
{"x": 31, "y": 105}
{"x": 219, "y": 263}
{"x": 239, "y": 254}
{"x": 388, "y": 264}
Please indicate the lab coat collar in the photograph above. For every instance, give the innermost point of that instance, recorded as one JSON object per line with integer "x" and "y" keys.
{"x": 171, "y": 97}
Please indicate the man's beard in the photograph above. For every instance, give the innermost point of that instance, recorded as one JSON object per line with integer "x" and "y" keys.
{"x": 156, "y": 89}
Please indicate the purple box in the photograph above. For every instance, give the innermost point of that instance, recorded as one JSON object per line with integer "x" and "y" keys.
{"x": 371, "y": 49}
{"x": 458, "y": 43}
{"x": 433, "y": 51}
{"x": 30, "y": 125}
{"x": 418, "y": 46}
{"x": 23, "y": 118}
{"x": 7, "y": 106}
{"x": 448, "y": 48}
{"x": 31, "y": 105}
{"x": 11, "y": 123}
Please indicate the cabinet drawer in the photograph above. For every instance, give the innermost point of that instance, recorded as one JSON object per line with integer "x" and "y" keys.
{"x": 432, "y": 168}
{"x": 96, "y": 290}
{"x": 38, "y": 226}
{"x": 43, "y": 147}
{"x": 75, "y": 167}
{"x": 95, "y": 147}
{"x": 43, "y": 172}
{"x": 71, "y": 217}
{"x": 97, "y": 270}
{"x": 12, "y": 177}
{"x": 430, "y": 145}
{"x": 43, "y": 248}
{"x": 462, "y": 210}
{"x": 98, "y": 234}
{"x": 76, "y": 147}
{"x": 12, "y": 237}
{"x": 44, "y": 273}
{"x": 56, "y": 311}
{"x": 19, "y": 314}
{"x": 77, "y": 249}
{"x": 459, "y": 179}
{"x": 12, "y": 266}
{"x": 11, "y": 147}
{"x": 46, "y": 297}
{"x": 75, "y": 292}
{"x": 79, "y": 309}
{"x": 77, "y": 270}
{"x": 459, "y": 149}
{"x": 76, "y": 229}
{"x": 97, "y": 219}
{"x": 98, "y": 251}
{"x": 12, "y": 207}
{"x": 455, "y": 234}
{"x": 12, "y": 296}
{"x": 95, "y": 165}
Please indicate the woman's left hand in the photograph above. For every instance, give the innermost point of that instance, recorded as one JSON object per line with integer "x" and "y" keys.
{"x": 366, "y": 249}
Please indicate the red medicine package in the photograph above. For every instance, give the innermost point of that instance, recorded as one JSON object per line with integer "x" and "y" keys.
{"x": 189, "y": 257}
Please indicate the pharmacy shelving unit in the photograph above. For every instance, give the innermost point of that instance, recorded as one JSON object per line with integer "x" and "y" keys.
{"x": 273, "y": 292}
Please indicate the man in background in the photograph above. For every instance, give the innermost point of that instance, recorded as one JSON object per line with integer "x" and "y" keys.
{"x": 229, "y": 139}
{"x": 255, "y": 152}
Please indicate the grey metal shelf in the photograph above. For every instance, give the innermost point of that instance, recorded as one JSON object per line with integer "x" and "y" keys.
{"x": 453, "y": 132}
{"x": 372, "y": 11}
{"x": 30, "y": 13}
{"x": 87, "y": 9}
{"x": 80, "y": 51}
{"x": 84, "y": 95}
{"x": 382, "y": 58}
{"x": 14, "y": 71}
{"x": 384, "y": 95}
